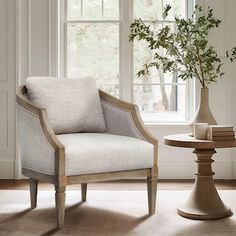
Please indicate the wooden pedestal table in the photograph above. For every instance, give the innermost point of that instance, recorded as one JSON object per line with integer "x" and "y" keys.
{"x": 204, "y": 203}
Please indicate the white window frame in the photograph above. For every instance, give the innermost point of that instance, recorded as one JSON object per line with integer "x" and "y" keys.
{"x": 126, "y": 69}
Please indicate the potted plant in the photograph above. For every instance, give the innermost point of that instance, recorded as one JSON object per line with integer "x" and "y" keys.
{"x": 186, "y": 52}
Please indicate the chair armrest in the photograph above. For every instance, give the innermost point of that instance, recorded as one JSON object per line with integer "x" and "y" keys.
{"x": 40, "y": 149}
{"x": 124, "y": 118}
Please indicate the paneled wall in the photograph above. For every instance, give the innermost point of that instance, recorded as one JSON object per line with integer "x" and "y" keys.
{"x": 37, "y": 43}
{"x": 7, "y": 88}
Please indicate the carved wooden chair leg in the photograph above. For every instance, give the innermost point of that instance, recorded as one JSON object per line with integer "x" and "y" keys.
{"x": 83, "y": 192}
{"x": 152, "y": 192}
{"x": 60, "y": 198}
{"x": 33, "y": 192}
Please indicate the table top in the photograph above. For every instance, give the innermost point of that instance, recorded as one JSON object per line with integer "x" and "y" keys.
{"x": 187, "y": 141}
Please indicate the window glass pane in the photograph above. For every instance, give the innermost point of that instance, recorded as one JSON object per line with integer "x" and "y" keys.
{"x": 148, "y": 9}
{"x": 178, "y": 8}
{"x": 111, "y": 10}
{"x": 73, "y": 9}
{"x": 93, "y": 9}
{"x": 143, "y": 55}
{"x": 93, "y": 50}
{"x": 112, "y": 89}
{"x": 161, "y": 102}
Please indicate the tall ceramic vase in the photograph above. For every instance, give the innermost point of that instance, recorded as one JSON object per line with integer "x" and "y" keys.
{"x": 203, "y": 113}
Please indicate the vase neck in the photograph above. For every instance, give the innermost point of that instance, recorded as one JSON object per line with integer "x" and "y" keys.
{"x": 204, "y": 97}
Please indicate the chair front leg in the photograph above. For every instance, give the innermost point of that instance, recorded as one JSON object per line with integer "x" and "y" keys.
{"x": 83, "y": 192}
{"x": 33, "y": 192}
{"x": 60, "y": 198}
{"x": 152, "y": 192}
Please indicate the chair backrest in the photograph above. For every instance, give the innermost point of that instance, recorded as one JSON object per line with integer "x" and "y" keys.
{"x": 73, "y": 105}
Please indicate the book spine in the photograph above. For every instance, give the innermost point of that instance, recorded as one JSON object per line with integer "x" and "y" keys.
{"x": 215, "y": 131}
{"x": 221, "y": 129}
{"x": 229, "y": 138}
{"x": 222, "y": 133}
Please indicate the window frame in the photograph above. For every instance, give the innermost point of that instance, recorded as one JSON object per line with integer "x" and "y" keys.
{"x": 126, "y": 54}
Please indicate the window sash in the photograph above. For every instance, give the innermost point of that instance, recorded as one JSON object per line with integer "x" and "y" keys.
{"x": 126, "y": 54}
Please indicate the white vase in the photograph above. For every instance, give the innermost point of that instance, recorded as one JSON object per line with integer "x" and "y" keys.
{"x": 203, "y": 113}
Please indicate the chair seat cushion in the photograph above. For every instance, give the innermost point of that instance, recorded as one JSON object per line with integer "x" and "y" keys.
{"x": 90, "y": 153}
{"x": 73, "y": 105}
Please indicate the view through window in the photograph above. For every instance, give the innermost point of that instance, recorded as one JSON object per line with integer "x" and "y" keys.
{"x": 93, "y": 40}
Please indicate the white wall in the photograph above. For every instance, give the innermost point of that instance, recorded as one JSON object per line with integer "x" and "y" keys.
{"x": 37, "y": 55}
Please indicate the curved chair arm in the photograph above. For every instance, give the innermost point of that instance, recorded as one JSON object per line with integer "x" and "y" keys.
{"x": 37, "y": 131}
{"x": 128, "y": 123}
{"x": 123, "y": 118}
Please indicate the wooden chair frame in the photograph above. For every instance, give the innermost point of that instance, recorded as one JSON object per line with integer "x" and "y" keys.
{"x": 60, "y": 180}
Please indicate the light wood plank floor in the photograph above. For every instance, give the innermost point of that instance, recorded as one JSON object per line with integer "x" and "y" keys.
{"x": 121, "y": 185}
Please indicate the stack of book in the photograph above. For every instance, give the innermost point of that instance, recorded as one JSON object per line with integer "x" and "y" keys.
{"x": 221, "y": 133}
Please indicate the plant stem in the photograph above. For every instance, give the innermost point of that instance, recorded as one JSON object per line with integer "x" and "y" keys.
{"x": 198, "y": 76}
{"x": 200, "y": 65}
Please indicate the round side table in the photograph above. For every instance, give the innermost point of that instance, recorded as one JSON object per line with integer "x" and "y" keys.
{"x": 204, "y": 203}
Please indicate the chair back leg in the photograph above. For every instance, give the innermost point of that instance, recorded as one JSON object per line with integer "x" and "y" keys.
{"x": 33, "y": 192}
{"x": 60, "y": 198}
{"x": 83, "y": 192}
{"x": 152, "y": 192}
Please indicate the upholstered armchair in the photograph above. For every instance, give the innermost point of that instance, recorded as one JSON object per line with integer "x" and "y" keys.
{"x": 56, "y": 150}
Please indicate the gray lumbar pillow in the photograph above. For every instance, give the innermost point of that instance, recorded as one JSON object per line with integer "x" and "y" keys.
{"x": 73, "y": 105}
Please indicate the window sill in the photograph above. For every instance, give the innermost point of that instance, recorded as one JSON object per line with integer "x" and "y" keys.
{"x": 160, "y": 123}
{"x": 173, "y": 126}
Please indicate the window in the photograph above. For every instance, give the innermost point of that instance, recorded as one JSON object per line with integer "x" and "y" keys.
{"x": 96, "y": 45}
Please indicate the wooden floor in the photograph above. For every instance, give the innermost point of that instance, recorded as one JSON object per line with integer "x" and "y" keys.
{"x": 121, "y": 185}
{"x": 108, "y": 213}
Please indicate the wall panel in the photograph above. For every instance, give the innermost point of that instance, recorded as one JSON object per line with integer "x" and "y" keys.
{"x": 3, "y": 41}
{"x": 3, "y": 119}
{"x": 7, "y": 88}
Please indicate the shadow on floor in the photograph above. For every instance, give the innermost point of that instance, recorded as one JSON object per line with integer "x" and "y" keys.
{"x": 80, "y": 219}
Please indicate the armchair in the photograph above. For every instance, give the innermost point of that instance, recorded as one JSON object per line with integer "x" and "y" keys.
{"x": 126, "y": 150}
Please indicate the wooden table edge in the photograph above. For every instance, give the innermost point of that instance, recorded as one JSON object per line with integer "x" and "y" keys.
{"x": 175, "y": 141}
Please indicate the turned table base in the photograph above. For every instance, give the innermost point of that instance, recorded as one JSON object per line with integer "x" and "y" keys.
{"x": 204, "y": 203}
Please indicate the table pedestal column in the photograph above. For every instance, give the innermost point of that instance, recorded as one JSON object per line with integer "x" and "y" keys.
{"x": 204, "y": 203}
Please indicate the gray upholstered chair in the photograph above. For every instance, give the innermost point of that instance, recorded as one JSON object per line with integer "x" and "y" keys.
{"x": 70, "y": 133}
